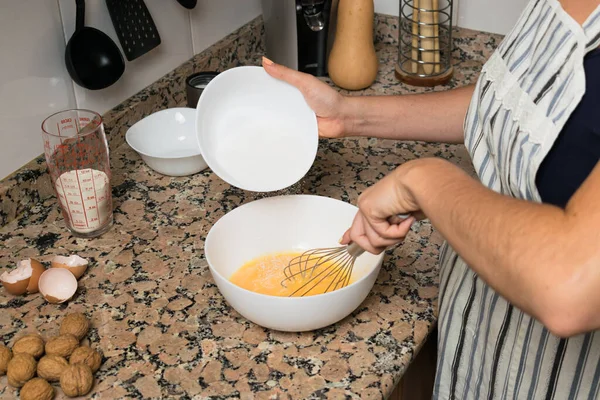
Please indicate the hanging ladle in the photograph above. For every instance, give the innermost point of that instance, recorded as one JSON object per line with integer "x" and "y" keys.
{"x": 93, "y": 60}
{"x": 189, "y": 4}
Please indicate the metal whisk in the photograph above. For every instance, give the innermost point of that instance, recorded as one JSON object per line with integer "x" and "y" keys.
{"x": 332, "y": 264}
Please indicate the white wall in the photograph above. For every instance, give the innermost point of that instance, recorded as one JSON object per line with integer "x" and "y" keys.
{"x": 34, "y": 82}
{"x": 490, "y": 15}
{"x": 496, "y": 16}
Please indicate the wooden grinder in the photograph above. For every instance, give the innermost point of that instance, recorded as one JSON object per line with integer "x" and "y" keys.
{"x": 425, "y": 42}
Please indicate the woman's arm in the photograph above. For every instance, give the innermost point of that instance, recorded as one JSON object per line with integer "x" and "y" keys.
{"x": 543, "y": 259}
{"x": 432, "y": 117}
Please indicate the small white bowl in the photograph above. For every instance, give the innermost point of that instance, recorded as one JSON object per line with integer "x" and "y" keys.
{"x": 286, "y": 223}
{"x": 166, "y": 141}
{"x": 256, "y": 132}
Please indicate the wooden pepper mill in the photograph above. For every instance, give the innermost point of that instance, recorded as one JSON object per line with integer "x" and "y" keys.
{"x": 352, "y": 62}
{"x": 425, "y": 42}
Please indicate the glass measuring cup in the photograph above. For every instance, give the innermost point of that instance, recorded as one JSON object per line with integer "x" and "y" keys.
{"x": 77, "y": 156}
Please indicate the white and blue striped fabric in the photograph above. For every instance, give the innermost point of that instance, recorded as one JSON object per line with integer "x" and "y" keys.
{"x": 489, "y": 349}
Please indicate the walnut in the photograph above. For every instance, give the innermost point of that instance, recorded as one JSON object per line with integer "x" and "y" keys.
{"x": 5, "y": 356}
{"x": 30, "y": 344}
{"x": 77, "y": 380}
{"x": 37, "y": 389}
{"x": 62, "y": 345}
{"x": 51, "y": 366}
{"x": 88, "y": 356}
{"x": 20, "y": 369}
{"x": 76, "y": 324}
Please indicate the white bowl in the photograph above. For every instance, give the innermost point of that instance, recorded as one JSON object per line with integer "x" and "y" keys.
{"x": 166, "y": 141}
{"x": 256, "y": 132}
{"x": 286, "y": 223}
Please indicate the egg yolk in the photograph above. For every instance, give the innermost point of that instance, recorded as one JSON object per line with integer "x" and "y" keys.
{"x": 265, "y": 275}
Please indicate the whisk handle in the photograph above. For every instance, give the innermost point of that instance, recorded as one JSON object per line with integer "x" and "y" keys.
{"x": 398, "y": 218}
{"x": 354, "y": 250}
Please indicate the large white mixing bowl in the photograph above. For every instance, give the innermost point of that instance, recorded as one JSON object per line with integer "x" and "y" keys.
{"x": 278, "y": 224}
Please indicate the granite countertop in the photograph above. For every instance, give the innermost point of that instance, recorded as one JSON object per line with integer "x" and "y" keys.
{"x": 157, "y": 316}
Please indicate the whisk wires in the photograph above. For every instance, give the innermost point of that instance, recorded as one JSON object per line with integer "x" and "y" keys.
{"x": 331, "y": 266}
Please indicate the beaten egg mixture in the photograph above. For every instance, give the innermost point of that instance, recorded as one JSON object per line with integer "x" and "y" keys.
{"x": 265, "y": 274}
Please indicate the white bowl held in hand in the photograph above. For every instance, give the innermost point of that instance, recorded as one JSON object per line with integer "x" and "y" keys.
{"x": 283, "y": 224}
{"x": 166, "y": 141}
{"x": 256, "y": 132}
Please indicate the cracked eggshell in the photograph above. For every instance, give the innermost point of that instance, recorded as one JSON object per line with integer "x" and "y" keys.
{"x": 57, "y": 285}
{"x": 23, "y": 279}
{"x": 77, "y": 265}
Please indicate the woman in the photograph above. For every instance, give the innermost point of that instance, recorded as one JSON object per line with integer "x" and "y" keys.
{"x": 519, "y": 298}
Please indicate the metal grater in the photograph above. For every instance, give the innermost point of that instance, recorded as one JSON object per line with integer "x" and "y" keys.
{"x": 134, "y": 25}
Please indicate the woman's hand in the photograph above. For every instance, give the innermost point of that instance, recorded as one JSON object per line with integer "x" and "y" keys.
{"x": 326, "y": 102}
{"x": 371, "y": 228}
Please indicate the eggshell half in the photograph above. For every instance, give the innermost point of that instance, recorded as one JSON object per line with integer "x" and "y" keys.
{"x": 57, "y": 285}
{"x": 17, "y": 288}
{"x": 74, "y": 263}
{"x": 37, "y": 271}
{"x": 28, "y": 281}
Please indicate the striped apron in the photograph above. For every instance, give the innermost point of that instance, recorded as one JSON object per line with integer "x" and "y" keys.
{"x": 489, "y": 349}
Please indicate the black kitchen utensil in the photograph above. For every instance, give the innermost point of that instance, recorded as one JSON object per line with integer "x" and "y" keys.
{"x": 134, "y": 26}
{"x": 92, "y": 58}
{"x": 189, "y": 4}
{"x": 195, "y": 85}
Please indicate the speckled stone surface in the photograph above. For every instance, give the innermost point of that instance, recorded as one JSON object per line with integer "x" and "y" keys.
{"x": 157, "y": 316}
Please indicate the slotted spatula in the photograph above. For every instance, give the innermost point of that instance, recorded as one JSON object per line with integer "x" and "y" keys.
{"x": 134, "y": 26}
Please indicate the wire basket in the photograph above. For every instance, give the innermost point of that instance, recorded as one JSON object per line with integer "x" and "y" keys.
{"x": 425, "y": 42}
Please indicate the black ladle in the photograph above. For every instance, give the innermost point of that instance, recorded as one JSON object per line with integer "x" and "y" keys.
{"x": 93, "y": 60}
{"x": 189, "y": 4}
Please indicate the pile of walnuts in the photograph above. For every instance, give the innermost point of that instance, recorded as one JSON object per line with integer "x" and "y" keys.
{"x": 60, "y": 359}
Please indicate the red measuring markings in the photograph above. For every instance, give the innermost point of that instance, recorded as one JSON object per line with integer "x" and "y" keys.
{"x": 69, "y": 154}
{"x": 63, "y": 189}
{"x": 97, "y": 209}
{"x": 82, "y": 198}
{"x": 81, "y": 194}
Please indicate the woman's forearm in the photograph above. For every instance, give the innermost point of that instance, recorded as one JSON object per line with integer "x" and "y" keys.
{"x": 539, "y": 257}
{"x": 431, "y": 117}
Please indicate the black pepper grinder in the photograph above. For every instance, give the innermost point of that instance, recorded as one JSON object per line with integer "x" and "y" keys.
{"x": 195, "y": 84}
